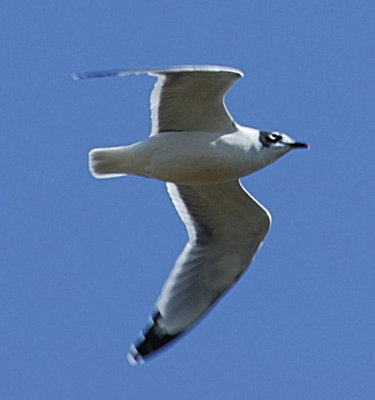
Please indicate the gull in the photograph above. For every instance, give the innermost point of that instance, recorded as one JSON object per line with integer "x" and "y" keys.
{"x": 197, "y": 148}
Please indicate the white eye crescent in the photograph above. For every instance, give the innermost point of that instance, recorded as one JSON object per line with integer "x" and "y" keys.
{"x": 269, "y": 138}
{"x": 274, "y": 137}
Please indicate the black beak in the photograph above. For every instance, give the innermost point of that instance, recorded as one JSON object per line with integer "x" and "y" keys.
{"x": 299, "y": 145}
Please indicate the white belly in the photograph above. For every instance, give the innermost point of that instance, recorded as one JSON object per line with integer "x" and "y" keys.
{"x": 182, "y": 157}
{"x": 193, "y": 157}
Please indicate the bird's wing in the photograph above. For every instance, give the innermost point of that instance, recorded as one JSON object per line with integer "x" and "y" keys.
{"x": 226, "y": 226}
{"x": 189, "y": 98}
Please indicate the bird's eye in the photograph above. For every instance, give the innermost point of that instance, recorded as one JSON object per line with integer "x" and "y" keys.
{"x": 274, "y": 137}
{"x": 269, "y": 137}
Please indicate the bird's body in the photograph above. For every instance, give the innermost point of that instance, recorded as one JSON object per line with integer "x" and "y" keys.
{"x": 197, "y": 157}
{"x": 197, "y": 148}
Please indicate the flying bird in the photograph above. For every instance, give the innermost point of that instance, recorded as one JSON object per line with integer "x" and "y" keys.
{"x": 197, "y": 148}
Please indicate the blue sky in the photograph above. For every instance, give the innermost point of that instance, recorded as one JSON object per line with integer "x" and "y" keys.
{"x": 83, "y": 260}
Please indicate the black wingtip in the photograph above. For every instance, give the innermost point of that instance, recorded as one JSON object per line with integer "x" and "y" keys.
{"x": 77, "y": 76}
{"x": 101, "y": 74}
{"x": 150, "y": 341}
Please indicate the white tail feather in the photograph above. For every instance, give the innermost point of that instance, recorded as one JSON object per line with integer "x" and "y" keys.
{"x": 104, "y": 163}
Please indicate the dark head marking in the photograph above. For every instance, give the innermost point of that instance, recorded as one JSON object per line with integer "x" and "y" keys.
{"x": 267, "y": 138}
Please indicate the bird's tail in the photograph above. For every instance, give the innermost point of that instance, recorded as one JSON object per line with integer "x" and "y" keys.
{"x": 106, "y": 163}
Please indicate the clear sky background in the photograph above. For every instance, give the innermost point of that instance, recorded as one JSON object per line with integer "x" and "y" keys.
{"x": 83, "y": 261}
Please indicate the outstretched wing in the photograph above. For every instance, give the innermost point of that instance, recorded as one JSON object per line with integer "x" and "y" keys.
{"x": 226, "y": 226}
{"x": 192, "y": 100}
{"x": 189, "y": 98}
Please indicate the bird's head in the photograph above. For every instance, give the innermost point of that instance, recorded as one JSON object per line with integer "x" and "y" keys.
{"x": 279, "y": 141}
{"x": 276, "y": 144}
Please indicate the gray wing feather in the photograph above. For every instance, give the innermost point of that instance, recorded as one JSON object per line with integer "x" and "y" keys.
{"x": 226, "y": 226}
{"x": 192, "y": 100}
{"x": 188, "y": 98}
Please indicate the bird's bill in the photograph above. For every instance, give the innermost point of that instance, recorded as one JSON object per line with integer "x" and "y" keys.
{"x": 299, "y": 145}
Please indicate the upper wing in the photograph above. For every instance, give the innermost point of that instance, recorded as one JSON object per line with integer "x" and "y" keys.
{"x": 189, "y": 98}
{"x": 226, "y": 226}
